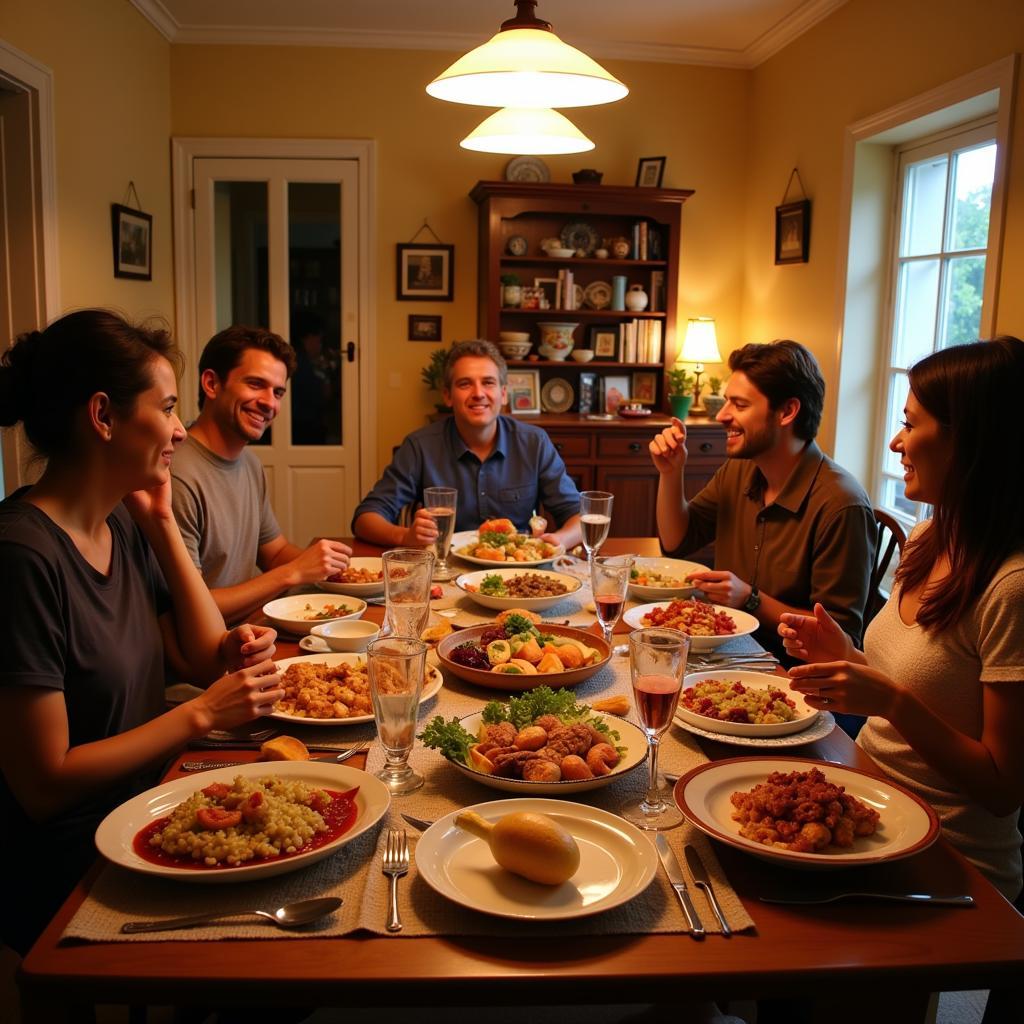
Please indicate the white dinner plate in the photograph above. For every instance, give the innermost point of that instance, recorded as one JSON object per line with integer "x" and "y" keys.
{"x": 116, "y": 833}
{"x": 907, "y": 824}
{"x": 364, "y": 590}
{"x": 805, "y": 714}
{"x": 617, "y": 862}
{"x": 533, "y": 604}
{"x": 432, "y": 682}
{"x": 745, "y": 624}
{"x": 674, "y": 568}
{"x": 630, "y": 737}
{"x": 460, "y": 540}
{"x": 822, "y": 726}
{"x": 290, "y": 613}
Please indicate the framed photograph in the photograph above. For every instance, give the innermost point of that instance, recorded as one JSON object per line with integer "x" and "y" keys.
{"x": 133, "y": 242}
{"x": 548, "y": 287}
{"x": 424, "y": 328}
{"x": 793, "y": 232}
{"x": 644, "y": 388}
{"x": 587, "y": 392}
{"x": 523, "y": 392}
{"x": 605, "y": 342}
{"x": 616, "y": 391}
{"x": 425, "y": 272}
{"x": 649, "y": 171}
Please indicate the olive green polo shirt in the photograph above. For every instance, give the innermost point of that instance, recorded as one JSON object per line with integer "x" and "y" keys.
{"x": 814, "y": 542}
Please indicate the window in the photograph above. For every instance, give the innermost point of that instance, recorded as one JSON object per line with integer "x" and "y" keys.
{"x": 940, "y": 251}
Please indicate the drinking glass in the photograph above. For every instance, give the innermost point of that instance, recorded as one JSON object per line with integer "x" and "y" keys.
{"x": 609, "y": 580}
{"x": 440, "y": 502}
{"x": 396, "y": 665}
{"x": 657, "y": 661}
{"x": 407, "y": 573}
{"x": 595, "y": 520}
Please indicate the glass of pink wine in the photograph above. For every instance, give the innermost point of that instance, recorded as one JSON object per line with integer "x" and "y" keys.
{"x": 609, "y": 580}
{"x": 657, "y": 662}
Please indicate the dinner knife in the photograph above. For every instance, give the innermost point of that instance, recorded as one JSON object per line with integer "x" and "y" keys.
{"x": 702, "y": 880}
{"x": 675, "y": 876}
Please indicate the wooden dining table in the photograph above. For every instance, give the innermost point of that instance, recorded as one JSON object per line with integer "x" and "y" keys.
{"x": 850, "y": 960}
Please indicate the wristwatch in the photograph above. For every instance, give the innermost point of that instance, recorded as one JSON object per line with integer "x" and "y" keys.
{"x": 753, "y": 602}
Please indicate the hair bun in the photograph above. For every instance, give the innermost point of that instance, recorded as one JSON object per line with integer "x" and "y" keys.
{"x": 15, "y": 373}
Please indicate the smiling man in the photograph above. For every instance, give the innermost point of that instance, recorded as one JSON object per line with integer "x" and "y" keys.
{"x": 219, "y": 489}
{"x": 501, "y": 467}
{"x": 790, "y": 527}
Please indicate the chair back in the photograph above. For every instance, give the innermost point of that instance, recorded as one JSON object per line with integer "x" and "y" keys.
{"x": 890, "y": 537}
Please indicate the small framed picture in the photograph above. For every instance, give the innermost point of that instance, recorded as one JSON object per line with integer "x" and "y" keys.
{"x": 424, "y": 328}
{"x": 604, "y": 341}
{"x": 649, "y": 171}
{"x": 644, "y": 388}
{"x": 523, "y": 392}
{"x": 587, "y": 391}
{"x": 133, "y": 242}
{"x": 425, "y": 272}
{"x": 793, "y": 232}
{"x": 616, "y": 391}
{"x": 548, "y": 287}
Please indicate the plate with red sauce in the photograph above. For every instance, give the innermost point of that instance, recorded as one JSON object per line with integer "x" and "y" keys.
{"x": 729, "y": 623}
{"x": 121, "y": 836}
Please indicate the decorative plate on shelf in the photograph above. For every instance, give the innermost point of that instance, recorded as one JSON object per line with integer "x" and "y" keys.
{"x": 517, "y": 245}
{"x": 580, "y": 236}
{"x": 526, "y": 168}
{"x": 557, "y": 395}
{"x": 598, "y": 295}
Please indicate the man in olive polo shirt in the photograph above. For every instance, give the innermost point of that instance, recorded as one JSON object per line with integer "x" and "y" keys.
{"x": 790, "y": 527}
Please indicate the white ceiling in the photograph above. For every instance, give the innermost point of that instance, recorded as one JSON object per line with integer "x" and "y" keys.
{"x": 724, "y": 33}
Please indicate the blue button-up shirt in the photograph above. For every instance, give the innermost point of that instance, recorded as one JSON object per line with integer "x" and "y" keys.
{"x": 522, "y": 473}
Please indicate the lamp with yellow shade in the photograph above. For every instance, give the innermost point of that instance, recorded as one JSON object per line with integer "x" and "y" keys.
{"x": 700, "y": 346}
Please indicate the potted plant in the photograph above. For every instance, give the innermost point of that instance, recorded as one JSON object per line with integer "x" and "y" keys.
{"x": 713, "y": 402}
{"x": 680, "y": 391}
{"x": 433, "y": 375}
{"x": 511, "y": 290}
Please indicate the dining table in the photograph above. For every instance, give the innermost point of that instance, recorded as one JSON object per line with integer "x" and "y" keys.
{"x": 847, "y": 960}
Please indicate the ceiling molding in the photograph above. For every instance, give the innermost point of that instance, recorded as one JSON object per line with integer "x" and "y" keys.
{"x": 159, "y": 17}
{"x": 782, "y": 34}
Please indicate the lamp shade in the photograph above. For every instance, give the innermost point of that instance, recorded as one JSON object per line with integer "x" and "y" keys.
{"x": 700, "y": 344}
{"x": 531, "y": 131}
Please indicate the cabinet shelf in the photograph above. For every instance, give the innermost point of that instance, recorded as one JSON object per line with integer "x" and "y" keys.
{"x": 571, "y": 364}
{"x": 586, "y": 314}
{"x": 585, "y": 261}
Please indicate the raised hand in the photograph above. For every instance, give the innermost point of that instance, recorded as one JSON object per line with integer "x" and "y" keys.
{"x": 151, "y": 505}
{"x": 668, "y": 449}
{"x": 816, "y": 637}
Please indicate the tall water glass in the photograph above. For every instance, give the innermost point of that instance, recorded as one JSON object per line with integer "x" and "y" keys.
{"x": 609, "y": 579}
{"x": 595, "y": 520}
{"x": 407, "y": 574}
{"x": 396, "y": 665}
{"x": 657, "y": 662}
{"x": 440, "y": 502}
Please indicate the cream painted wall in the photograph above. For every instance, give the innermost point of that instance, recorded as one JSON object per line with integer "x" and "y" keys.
{"x": 112, "y": 123}
{"x": 864, "y": 58}
{"x": 696, "y": 117}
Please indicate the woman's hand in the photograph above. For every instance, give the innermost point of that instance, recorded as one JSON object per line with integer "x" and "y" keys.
{"x": 247, "y": 645}
{"x": 239, "y": 697}
{"x": 151, "y": 505}
{"x": 845, "y": 686}
{"x": 816, "y": 637}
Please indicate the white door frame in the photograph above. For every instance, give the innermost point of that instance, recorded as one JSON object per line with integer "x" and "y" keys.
{"x": 364, "y": 152}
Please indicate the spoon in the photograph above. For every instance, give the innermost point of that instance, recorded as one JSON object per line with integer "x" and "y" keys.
{"x": 291, "y": 915}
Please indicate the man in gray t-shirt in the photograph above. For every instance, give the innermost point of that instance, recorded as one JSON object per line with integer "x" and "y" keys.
{"x": 219, "y": 489}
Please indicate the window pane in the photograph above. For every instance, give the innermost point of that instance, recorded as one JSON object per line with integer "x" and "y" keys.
{"x": 961, "y": 314}
{"x": 972, "y": 185}
{"x": 240, "y": 253}
{"x": 899, "y": 388}
{"x": 894, "y": 498}
{"x": 916, "y": 301}
{"x": 923, "y": 205}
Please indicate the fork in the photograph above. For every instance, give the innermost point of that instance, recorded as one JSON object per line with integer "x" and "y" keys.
{"x": 396, "y": 864}
{"x": 344, "y": 755}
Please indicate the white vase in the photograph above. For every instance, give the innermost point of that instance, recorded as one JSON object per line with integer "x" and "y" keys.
{"x": 636, "y": 299}
{"x": 512, "y": 295}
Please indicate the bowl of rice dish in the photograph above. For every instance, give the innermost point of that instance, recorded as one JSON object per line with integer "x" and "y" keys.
{"x": 743, "y": 704}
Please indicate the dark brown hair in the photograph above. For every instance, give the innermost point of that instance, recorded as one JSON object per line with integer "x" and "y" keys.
{"x": 223, "y": 351}
{"x": 47, "y": 376}
{"x": 784, "y": 370}
{"x": 479, "y": 348}
{"x": 973, "y": 391}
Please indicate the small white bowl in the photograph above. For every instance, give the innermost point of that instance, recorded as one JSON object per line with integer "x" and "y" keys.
{"x": 515, "y": 349}
{"x": 296, "y": 614}
{"x": 346, "y": 635}
{"x": 561, "y": 254}
{"x": 582, "y": 355}
{"x": 514, "y": 337}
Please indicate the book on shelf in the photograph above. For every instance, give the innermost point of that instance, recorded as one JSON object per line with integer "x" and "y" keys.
{"x": 640, "y": 341}
{"x": 643, "y": 239}
{"x": 657, "y": 291}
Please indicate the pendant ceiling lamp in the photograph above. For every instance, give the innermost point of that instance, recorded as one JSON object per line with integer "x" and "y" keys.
{"x": 526, "y": 65}
{"x": 536, "y": 131}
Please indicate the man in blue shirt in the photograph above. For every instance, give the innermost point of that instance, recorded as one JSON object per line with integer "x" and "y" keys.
{"x": 501, "y": 467}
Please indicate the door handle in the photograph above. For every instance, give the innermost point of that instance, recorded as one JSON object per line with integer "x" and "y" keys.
{"x": 350, "y": 351}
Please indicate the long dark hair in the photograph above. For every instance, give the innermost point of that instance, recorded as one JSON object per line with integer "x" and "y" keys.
{"x": 974, "y": 392}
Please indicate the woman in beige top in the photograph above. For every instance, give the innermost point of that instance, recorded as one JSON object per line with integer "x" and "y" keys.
{"x": 943, "y": 661}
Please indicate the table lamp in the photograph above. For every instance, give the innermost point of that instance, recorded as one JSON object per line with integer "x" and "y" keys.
{"x": 700, "y": 346}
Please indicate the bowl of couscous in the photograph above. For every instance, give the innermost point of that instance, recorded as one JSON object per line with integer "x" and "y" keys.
{"x": 743, "y": 704}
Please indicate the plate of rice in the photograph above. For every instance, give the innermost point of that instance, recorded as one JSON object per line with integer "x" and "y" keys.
{"x": 708, "y": 625}
{"x": 752, "y": 704}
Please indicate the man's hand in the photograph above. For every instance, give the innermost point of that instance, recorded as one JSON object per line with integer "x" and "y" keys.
{"x": 422, "y": 531}
{"x": 668, "y": 449}
{"x": 321, "y": 559}
{"x": 247, "y": 645}
{"x": 722, "y": 587}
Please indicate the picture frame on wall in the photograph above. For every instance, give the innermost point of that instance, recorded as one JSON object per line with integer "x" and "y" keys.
{"x": 587, "y": 392}
{"x": 523, "y": 392}
{"x": 133, "y": 242}
{"x": 424, "y": 328}
{"x": 793, "y": 232}
{"x": 616, "y": 391}
{"x": 644, "y": 387}
{"x": 605, "y": 342}
{"x": 649, "y": 171}
{"x": 548, "y": 286}
{"x": 425, "y": 272}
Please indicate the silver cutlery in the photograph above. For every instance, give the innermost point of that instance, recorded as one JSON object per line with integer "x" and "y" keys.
{"x": 737, "y": 662}
{"x": 420, "y": 824}
{"x": 291, "y": 915}
{"x": 333, "y": 758}
{"x": 396, "y": 864}
{"x": 811, "y": 899}
{"x": 675, "y": 876}
{"x": 702, "y": 880}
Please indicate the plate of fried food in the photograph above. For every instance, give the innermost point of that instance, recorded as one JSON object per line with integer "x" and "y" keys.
{"x": 540, "y": 742}
{"x": 362, "y": 577}
{"x": 708, "y": 625}
{"x": 504, "y": 589}
{"x": 805, "y": 813}
{"x": 497, "y": 540}
{"x": 519, "y": 651}
{"x": 657, "y": 579}
{"x": 333, "y": 689}
{"x": 299, "y": 613}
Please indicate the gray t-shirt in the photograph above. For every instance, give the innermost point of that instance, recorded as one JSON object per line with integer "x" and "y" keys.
{"x": 223, "y": 512}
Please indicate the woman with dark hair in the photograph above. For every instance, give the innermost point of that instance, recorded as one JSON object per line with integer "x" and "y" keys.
{"x": 98, "y": 588}
{"x": 943, "y": 664}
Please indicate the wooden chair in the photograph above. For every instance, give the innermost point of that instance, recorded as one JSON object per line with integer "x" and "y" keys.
{"x": 890, "y": 537}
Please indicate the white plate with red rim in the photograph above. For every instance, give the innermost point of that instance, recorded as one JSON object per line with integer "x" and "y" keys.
{"x": 907, "y": 825}
{"x": 745, "y": 624}
{"x": 667, "y": 568}
{"x": 116, "y": 834}
{"x": 373, "y": 588}
{"x": 469, "y": 583}
{"x": 805, "y": 715}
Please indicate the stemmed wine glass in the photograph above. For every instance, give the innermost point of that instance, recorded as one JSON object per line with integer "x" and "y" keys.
{"x": 440, "y": 502}
{"x": 595, "y": 519}
{"x": 657, "y": 661}
{"x": 609, "y": 580}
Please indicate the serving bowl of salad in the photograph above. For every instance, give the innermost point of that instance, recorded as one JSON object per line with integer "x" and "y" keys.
{"x": 533, "y": 589}
{"x": 657, "y": 579}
